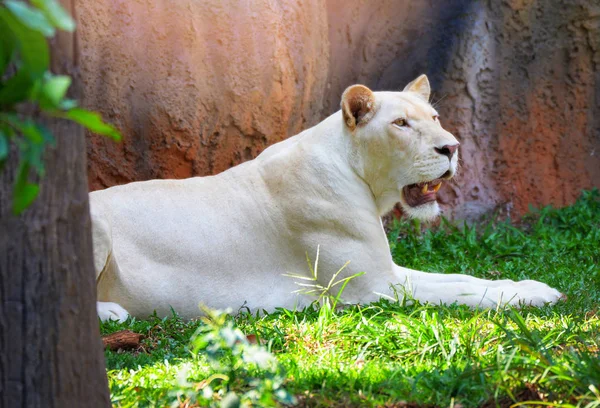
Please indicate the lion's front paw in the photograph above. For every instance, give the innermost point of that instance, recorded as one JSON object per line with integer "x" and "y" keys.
{"x": 530, "y": 292}
{"x": 111, "y": 311}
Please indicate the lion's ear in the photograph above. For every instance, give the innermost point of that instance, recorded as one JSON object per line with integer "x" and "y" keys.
{"x": 420, "y": 86}
{"x": 358, "y": 105}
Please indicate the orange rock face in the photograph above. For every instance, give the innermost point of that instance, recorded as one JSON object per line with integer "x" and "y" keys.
{"x": 521, "y": 91}
{"x": 197, "y": 87}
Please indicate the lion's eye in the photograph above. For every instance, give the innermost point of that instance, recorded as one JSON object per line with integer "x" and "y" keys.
{"x": 401, "y": 122}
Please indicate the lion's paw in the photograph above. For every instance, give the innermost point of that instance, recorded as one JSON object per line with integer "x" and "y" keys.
{"x": 111, "y": 311}
{"x": 529, "y": 293}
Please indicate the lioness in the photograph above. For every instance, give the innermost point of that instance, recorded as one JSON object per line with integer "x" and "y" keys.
{"x": 227, "y": 240}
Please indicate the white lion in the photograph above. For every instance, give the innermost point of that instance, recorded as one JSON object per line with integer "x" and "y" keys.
{"x": 227, "y": 240}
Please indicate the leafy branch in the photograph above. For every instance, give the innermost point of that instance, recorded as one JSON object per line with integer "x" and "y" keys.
{"x": 25, "y": 80}
{"x": 244, "y": 374}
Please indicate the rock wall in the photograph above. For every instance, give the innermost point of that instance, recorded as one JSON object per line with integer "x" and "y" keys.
{"x": 197, "y": 87}
{"x": 521, "y": 90}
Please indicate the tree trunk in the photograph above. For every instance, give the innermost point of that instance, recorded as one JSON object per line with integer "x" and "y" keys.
{"x": 50, "y": 348}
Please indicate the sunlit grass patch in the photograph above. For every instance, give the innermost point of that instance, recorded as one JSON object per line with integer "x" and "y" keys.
{"x": 385, "y": 353}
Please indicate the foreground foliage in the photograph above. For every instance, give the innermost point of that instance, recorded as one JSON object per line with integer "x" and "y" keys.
{"x": 30, "y": 95}
{"x": 395, "y": 355}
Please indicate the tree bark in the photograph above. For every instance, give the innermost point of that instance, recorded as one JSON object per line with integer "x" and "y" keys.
{"x": 50, "y": 348}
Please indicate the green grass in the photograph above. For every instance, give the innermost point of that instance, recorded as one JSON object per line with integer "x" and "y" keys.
{"x": 385, "y": 353}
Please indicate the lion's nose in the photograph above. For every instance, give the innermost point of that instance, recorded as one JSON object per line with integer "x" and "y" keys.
{"x": 447, "y": 150}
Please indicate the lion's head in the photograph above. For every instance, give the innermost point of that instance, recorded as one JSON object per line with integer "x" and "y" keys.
{"x": 399, "y": 146}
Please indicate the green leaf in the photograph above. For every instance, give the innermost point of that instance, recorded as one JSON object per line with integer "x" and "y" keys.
{"x": 4, "y": 128}
{"x": 53, "y": 91}
{"x": 9, "y": 121}
{"x": 3, "y": 148}
{"x": 46, "y": 134}
{"x": 32, "y": 154}
{"x": 92, "y": 121}
{"x": 31, "y": 132}
{"x": 16, "y": 89}
{"x": 33, "y": 48}
{"x": 24, "y": 192}
{"x": 30, "y": 17}
{"x": 3, "y": 145}
{"x": 27, "y": 127}
{"x": 56, "y": 14}
{"x": 34, "y": 140}
{"x": 7, "y": 46}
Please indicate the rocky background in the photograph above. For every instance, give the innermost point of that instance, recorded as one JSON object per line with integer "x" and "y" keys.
{"x": 200, "y": 86}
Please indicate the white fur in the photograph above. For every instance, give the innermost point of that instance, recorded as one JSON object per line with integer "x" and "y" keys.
{"x": 111, "y": 311}
{"x": 227, "y": 240}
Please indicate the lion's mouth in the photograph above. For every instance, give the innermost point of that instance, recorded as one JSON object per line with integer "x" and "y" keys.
{"x": 421, "y": 193}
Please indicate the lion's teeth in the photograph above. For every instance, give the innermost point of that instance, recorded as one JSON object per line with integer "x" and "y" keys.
{"x": 437, "y": 187}
{"x": 425, "y": 188}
